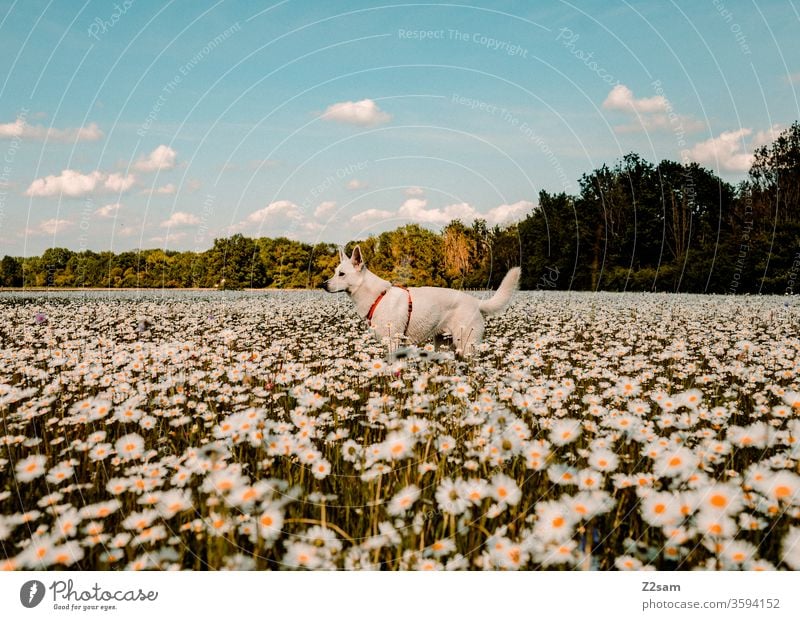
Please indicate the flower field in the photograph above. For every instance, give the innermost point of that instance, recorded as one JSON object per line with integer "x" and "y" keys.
{"x": 269, "y": 431}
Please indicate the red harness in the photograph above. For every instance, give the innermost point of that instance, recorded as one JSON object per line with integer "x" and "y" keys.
{"x": 378, "y": 300}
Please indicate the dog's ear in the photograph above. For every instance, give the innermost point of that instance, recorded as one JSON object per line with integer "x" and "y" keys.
{"x": 356, "y": 259}
{"x": 342, "y": 255}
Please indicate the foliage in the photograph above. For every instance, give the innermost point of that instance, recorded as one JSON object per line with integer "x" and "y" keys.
{"x": 633, "y": 226}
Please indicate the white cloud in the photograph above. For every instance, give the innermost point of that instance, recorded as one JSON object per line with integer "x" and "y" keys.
{"x": 767, "y": 136}
{"x": 275, "y": 213}
{"x": 370, "y": 215}
{"x": 21, "y": 129}
{"x": 354, "y": 184}
{"x": 161, "y": 158}
{"x": 324, "y": 208}
{"x": 365, "y": 113}
{"x": 49, "y": 227}
{"x": 417, "y": 210}
{"x": 169, "y": 188}
{"x": 727, "y": 151}
{"x": 621, "y": 98}
{"x": 180, "y": 218}
{"x": 116, "y": 182}
{"x": 505, "y": 214}
{"x": 278, "y": 209}
{"x": 649, "y": 113}
{"x": 792, "y": 78}
{"x": 69, "y": 183}
{"x": 310, "y": 226}
{"x": 108, "y": 210}
{"x": 171, "y": 236}
{"x": 73, "y": 183}
{"x": 415, "y": 191}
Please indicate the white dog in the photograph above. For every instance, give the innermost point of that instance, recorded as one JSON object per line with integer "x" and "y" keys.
{"x": 418, "y": 313}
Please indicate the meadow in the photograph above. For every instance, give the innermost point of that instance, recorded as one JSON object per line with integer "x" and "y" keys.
{"x": 190, "y": 430}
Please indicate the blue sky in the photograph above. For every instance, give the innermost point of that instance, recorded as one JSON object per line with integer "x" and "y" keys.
{"x": 166, "y": 124}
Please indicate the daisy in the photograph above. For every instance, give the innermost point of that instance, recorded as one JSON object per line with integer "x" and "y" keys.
{"x": 427, "y": 564}
{"x": 562, "y": 474}
{"x": 565, "y": 431}
{"x": 715, "y": 525}
{"x": 66, "y": 525}
{"x": 397, "y": 446}
{"x": 30, "y": 468}
{"x": 586, "y": 505}
{"x": 140, "y": 520}
{"x": 38, "y": 554}
{"x": 172, "y": 502}
{"x": 128, "y": 412}
{"x": 660, "y": 509}
{"x": 130, "y": 446}
{"x": 270, "y": 522}
{"x": 505, "y": 490}
{"x": 790, "y": 548}
{"x": 60, "y": 473}
{"x": 351, "y": 451}
{"x": 589, "y": 479}
{"x": 51, "y": 499}
{"x": 628, "y": 388}
{"x": 101, "y": 510}
{"x": 323, "y": 537}
{"x": 510, "y": 557}
{"x": 792, "y": 399}
{"x": 441, "y": 547}
{"x": 603, "y": 460}
{"x": 691, "y": 398}
{"x": 474, "y": 490}
{"x": 403, "y": 500}
{"x": 461, "y": 390}
{"x": 321, "y": 469}
{"x": 759, "y": 565}
{"x": 738, "y": 552}
{"x": 563, "y": 552}
{"x": 100, "y": 451}
{"x": 302, "y": 555}
{"x": 675, "y": 462}
{"x": 449, "y": 499}
{"x": 554, "y": 521}
{"x": 757, "y": 435}
{"x": 445, "y": 444}
{"x": 721, "y": 499}
{"x": 782, "y": 486}
{"x": 627, "y": 562}
{"x": 67, "y": 554}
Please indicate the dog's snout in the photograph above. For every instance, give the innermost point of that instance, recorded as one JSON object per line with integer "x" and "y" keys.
{"x": 323, "y": 285}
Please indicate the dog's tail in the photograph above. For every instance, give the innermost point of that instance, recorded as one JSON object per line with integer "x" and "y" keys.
{"x": 497, "y": 302}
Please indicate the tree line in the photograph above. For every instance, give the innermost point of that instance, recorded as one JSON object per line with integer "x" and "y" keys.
{"x": 634, "y": 225}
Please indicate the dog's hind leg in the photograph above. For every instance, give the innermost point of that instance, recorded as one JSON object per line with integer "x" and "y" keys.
{"x": 441, "y": 341}
{"x": 468, "y": 338}
{"x": 465, "y": 338}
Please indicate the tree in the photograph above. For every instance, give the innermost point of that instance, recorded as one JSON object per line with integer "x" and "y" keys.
{"x": 775, "y": 174}
{"x": 10, "y": 272}
{"x": 549, "y": 240}
{"x": 459, "y": 252}
{"x": 236, "y": 263}
{"x": 633, "y": 225}
{"x": 54, "y": 261}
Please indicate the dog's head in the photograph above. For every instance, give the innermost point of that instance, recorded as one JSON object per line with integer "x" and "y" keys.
{"x": 349, "y": 273}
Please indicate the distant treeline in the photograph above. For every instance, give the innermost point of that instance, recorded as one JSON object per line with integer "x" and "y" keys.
{"x": 634, "y": 226}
